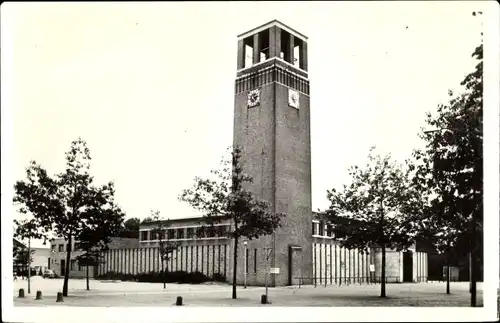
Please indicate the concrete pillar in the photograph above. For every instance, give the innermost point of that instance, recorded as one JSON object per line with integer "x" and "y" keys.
{"x": 274, "y": 41}
{"x": 303, "y": 56}
{"x": 241, "y": 55}
{"x": 256, "y": 48}
{"x": 290, "y": 49}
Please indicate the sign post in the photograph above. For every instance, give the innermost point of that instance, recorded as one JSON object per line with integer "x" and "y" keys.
{"x": 372, "y": 270}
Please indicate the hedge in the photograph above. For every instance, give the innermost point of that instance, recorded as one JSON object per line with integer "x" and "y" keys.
{"x": 181, "y": 277}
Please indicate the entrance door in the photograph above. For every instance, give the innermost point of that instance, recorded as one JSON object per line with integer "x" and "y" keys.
{"x": 294, "y": 265}
{"x": 408, "y": 267}
{"x": 63, "y": 266}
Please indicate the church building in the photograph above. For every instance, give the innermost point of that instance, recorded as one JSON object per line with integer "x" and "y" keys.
{"x": 272, "y": 128}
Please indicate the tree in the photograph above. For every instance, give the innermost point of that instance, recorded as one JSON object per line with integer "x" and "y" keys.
{"x": 130, "y": 228}
{"x": 375, "y": 208}
{"x": 450, "y": 167}
{"x": 24, "y": 258}
{"x": 94, "y": 239}
{"x": 65, "y": 205}
{"x": 225, "y": 197}
{"x": 165, "y": 247}
{"x": 27, "y": 229}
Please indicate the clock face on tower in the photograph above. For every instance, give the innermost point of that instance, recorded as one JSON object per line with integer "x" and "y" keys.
{"x": 253, "y": 98}
{"x": 293, "y": 98}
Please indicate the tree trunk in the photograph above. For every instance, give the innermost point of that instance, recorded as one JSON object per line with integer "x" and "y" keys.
{"x": 68, "y": 263}
{"x": 164, "y": 271}
{"x": 473, "y": 264}
{"x": 88, "y": 286}
{"x": 235, "y": 261}
{"x": 382, "y": 286}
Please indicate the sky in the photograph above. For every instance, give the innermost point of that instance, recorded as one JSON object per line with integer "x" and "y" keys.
{"x": 149, "y": 86}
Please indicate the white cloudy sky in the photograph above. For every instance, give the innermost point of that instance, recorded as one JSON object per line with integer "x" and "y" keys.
{"x": 149, "y": 86}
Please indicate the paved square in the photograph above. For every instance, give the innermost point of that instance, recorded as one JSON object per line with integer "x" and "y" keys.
{"x": 107, "y": 294}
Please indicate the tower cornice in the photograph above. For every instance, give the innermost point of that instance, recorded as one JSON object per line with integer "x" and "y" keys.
{"x": 271, "y": 24}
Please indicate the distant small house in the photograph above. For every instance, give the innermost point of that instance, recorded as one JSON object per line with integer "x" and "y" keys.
{"x": 58, "y": 248}
{"x": 40, "y": 257}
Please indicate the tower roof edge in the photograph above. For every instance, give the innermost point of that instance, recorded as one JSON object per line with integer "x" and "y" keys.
{"x": 269, "y": 24}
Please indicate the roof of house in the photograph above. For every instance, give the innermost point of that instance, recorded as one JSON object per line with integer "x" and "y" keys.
{"x": 18, "y": 243}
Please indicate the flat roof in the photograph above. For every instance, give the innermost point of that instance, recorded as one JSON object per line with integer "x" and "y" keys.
{"x": 270, "y": 24}
{"x": 190, "y": 219}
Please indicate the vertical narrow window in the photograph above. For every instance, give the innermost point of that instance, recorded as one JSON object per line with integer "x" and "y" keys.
{"x": 249, "y": 52}
{"x": 296, "y": 56}
{"x": 255, "y": 261}
{"x": 321, "y": 229}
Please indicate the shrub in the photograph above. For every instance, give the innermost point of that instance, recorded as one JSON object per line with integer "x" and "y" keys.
{"x": 181, "y": 277}
{"x": 219, "y": 277}
{"x": 195, "y": 278}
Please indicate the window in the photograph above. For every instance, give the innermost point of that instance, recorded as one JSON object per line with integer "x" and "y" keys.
{"x": 77, "y": 246}
{"x": 72, "y": 264}
{"x": 180, "y": 233}
{"x": 170, "y": 234}
{"x": 80, "y": 267}
{"x": 321, "y": 229}
{"x": 53, "y": 248}
{"x": 190, "y": 233}
{"x": 144, "y": 235}
{"x": 61, "y": 248}
{"x": 255, "y": 261}
{"x": 330, "y": 232}
{"x": 223, "y": 231}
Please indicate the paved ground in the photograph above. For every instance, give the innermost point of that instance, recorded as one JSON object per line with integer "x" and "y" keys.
{"x": 152, "y": 294}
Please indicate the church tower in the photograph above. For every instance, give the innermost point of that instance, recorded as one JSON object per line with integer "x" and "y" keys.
{"x": 272, "y": 127}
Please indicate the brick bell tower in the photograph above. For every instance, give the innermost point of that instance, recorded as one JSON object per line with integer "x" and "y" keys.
{"x": 272, "y": 127}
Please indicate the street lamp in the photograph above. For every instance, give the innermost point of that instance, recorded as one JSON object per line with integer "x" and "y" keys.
{"x": 29, "y": 265}
{"x": 246, "y": 262}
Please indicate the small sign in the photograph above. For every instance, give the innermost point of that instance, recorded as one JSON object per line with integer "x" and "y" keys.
{"x": 372, "y": 268}
{"x": 274, "y": 270}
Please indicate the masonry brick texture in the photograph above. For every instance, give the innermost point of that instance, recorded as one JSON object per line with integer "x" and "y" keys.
{"x": 275, "y": 143}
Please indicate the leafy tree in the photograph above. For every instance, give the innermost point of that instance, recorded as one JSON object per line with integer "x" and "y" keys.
{"x": 27, "y": 229}
{"x": 375, "y": 208}
{"x": 96, "y": 236}
{"x": 130, "y": 228}
{"x": 166, "y": 247}
{"x": 65, "y": 204}
{"x": 225, "y": 197}
{"x": 450, "y": 167}
{"x": 24, "y": 258}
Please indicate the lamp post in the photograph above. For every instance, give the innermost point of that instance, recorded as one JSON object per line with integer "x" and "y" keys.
{"x": 29, "y": 265}
{"x": 246, "y": 262}
{"x": 268, "y": 254}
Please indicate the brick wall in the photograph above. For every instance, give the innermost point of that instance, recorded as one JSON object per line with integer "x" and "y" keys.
{"x": 393, "y": 265}
{"x": 275, "y": 142}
